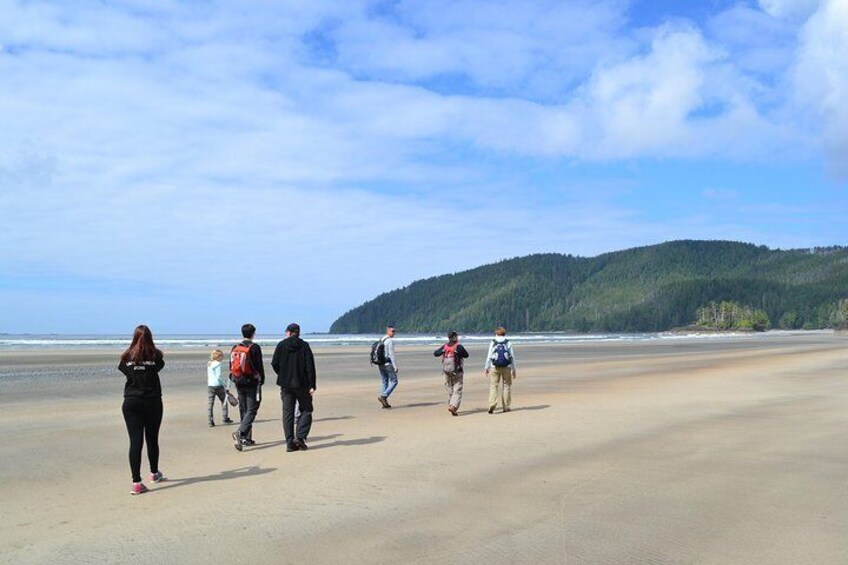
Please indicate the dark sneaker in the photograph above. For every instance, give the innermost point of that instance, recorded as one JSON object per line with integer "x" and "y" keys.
{"x": 491, "y": 409}
{"x": 301, "y": 444}
{"x": 453, "y": 410}
{"x": 239, "y": 445}
{"x": 227, "y": 421}
{"x": 291, "y": 447}
{"x": 249, "y": 441}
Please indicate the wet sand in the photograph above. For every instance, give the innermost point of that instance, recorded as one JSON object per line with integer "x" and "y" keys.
{"x": 682, "y": 451}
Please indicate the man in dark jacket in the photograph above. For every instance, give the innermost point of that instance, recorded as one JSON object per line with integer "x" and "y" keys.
{"x": 246, "y": 360}
{"x": 295, "y": 367}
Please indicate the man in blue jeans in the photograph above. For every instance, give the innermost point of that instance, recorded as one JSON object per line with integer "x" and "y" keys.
{"x": 389, "y": 369}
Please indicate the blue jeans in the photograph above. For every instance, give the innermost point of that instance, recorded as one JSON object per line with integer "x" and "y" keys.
{"x": 388, "y": 378}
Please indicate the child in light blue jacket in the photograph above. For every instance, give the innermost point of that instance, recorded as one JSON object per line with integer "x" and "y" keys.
{"x": 219, "y": 386}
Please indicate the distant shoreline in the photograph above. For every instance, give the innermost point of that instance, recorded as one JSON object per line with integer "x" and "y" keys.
{"x": 197, "y": 342}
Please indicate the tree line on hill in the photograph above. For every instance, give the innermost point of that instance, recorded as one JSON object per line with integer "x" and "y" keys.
{"x": 652, "y": 288}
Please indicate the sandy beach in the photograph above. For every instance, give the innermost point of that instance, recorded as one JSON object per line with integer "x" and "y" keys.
{"x": 725, "y": 450}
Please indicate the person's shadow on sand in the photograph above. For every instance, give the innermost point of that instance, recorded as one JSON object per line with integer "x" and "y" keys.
{"x": 537, "y": 407}
{"x": 349, "y": 442}
{"x": 416, "y": 405}
{"x": 251, "y": 471}
{"x": 519, "y": 409}
{"x": 281, "y": 442}
{"x": 332, "y": 418}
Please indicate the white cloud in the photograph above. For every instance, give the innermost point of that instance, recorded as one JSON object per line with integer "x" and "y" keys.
{"x": 642, "y": 105}
{"x": 536, "y": 45}
{"x": 821, "y": 79}
{"x": 758, "y": 42}
{"x": 790, "y": 9}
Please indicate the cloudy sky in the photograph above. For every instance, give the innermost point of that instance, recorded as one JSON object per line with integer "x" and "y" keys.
{"x": 196, "y": 165}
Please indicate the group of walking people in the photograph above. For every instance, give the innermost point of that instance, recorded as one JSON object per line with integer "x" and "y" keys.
{"x": 499, "y": 368}
{"x": 294, "y": 365}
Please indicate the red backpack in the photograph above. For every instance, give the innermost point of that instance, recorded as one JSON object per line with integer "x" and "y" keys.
{"x": 240, "y": 366}
{"x": 451, "y": 362}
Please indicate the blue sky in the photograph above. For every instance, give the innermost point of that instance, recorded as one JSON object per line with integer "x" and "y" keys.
{"x": 196, "y": 165}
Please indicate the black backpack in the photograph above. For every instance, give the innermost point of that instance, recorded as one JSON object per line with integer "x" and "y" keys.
{"x": 378, "y": 352}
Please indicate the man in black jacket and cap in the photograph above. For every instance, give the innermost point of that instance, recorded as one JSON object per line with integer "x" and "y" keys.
{"x": 295, "y": 367}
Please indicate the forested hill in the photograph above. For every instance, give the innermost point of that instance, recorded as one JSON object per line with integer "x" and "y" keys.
{"x": 643, "y": 289}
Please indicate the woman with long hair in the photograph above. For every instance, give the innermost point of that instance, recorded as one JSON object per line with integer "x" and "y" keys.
{"x": 142, "y": 407}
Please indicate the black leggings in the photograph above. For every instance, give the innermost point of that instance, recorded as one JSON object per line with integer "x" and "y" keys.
{"x": 143, "y": 417}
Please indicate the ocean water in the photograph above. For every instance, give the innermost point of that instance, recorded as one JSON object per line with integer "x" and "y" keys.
{"x": 120, "y": 342}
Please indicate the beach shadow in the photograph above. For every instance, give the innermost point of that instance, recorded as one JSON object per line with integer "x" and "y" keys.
{"x": 534, "y": 408}
{"x": 500, "y": 411}
{"x": 251, "y": 471}
{"x": 265, "y": 445}
{"x": 350, "y": 442}
{"x": 416, "y": 405}
{"x": 282, "y": 442}
{"x": 333, "y": 418}
{"x": 323, "y": 438}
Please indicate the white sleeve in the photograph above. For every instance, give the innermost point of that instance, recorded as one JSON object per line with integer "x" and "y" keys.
{"x": 489, "y": 355}
{"x": 390, "y": 352}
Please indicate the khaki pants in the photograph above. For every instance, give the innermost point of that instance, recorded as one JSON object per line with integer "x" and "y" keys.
{"x": 496, "y": 375}
{"x": 453, "y": 386}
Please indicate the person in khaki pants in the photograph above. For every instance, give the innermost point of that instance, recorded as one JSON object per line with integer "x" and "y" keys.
{"x": 500, "y": 367}
{"x": 453, "y": 354}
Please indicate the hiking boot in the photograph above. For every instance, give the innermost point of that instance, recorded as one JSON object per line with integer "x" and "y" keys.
{"x": 156, "y": 477}
{"x": 491, "y": 409}
{"x": 239, "y": 445}
{"x": 301, "y": 444}
{"x": 453, "y": 410}
{"x": 138, "y": 488}
{"x": 227, "y": 421}
{"x": 383, "y": 401}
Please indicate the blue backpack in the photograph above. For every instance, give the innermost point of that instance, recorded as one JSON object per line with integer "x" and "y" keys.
{"x": 500, "y": 355}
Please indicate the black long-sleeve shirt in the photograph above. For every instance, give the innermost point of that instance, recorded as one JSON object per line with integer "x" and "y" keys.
{"x": 255, "y": 355}
{"x": 142, "y": 378}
